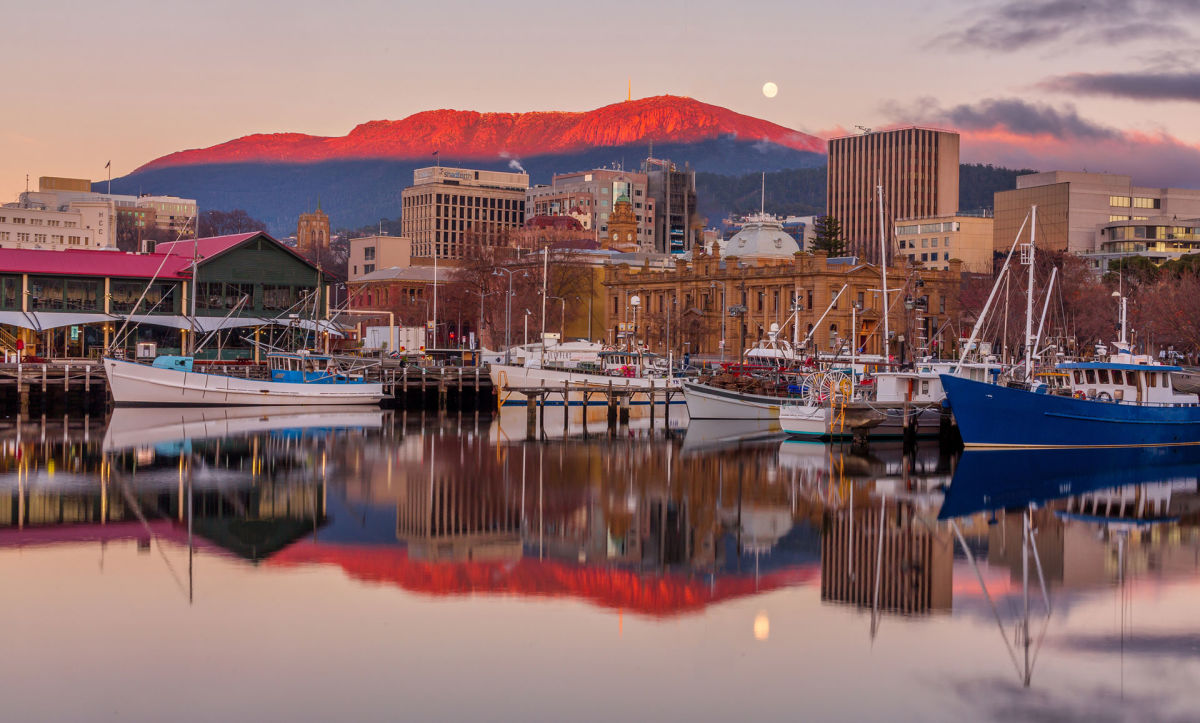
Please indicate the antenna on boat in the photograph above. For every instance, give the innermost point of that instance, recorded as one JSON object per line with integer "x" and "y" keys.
{"x": 1027, "y": 257}
{"x": 762, "y": 198}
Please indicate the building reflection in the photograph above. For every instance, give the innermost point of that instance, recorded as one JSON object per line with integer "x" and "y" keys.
{"x": 654, "y": 523}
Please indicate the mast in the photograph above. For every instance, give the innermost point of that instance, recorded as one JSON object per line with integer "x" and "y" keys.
{"x": 887, "y": 334}
{"x": 1029, "y": 296}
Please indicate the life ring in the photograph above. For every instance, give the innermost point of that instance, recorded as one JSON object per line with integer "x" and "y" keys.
{"x": 1104, "y": 397}
{"x": 1079, "y": 394}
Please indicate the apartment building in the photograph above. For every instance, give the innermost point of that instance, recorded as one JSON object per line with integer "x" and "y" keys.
{"x": 917, "y": 168}
{"x": 448, "y": 210}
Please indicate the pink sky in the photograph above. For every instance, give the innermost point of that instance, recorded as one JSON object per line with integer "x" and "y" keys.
{"x": 133, "y": 80}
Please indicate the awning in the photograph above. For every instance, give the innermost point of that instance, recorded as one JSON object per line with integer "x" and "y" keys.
{"x": 44, "y": 320}
{"x": 18, "y": 318}
{"x": 54, "y": 320}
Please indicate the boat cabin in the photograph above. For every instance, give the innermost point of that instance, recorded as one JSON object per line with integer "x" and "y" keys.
{"x": 1136, "y": 383}
{"x": 305, "y": 368}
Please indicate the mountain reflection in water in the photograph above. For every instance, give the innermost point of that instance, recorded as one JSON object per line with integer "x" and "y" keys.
{"x": 656, "y": 523}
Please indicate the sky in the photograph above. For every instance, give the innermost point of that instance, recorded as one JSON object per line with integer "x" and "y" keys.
{"x": 1101, "y": 85}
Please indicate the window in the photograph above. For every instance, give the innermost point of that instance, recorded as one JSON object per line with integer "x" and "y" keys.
{"x": 368, "y": 268}
{"x": 1091, "y": 376}
{"x": 945, "y": 256}
{"x": 1153, "y": 379}
{"x": 1146, "y": 203}
{"x": 369, "y": 253}
{"x": 925, "y": 257}
{"x": 946, "y": 242}
{"x": 924, "y": 243}
{"x": 1119, "y": 201}
{"x": 277, "y": 297}
{"x": 933, "y": 242}
{"x": 1102, "y": 376}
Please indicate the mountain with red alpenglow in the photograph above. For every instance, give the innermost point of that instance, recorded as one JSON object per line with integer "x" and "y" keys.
{"x": 469, "y": 135}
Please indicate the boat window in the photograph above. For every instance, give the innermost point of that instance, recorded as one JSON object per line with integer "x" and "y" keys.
{"x": 1103, "y": 375}
{"x": 1091, "y": 376}
{"x": 1153, "y": 379}
{"x": 1118, "y": 376}
{"x": 1079, "y": 376}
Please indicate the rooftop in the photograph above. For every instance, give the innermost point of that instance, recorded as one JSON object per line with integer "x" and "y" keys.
{"x": 93, "y": 262}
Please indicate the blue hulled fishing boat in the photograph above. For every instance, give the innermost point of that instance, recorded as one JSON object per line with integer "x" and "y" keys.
{"x": 1126, "y": 401}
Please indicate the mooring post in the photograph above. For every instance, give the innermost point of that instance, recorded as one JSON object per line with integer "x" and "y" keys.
{"x": 530, "y": 416}
{"x": 652, "y": 407}
{"x": 612, "y": 410}
{"x": 542, "y": 397}
{"x": 584, "y": 408}
{"x": 566, "y": 406}
{"x": 66, "y": 378}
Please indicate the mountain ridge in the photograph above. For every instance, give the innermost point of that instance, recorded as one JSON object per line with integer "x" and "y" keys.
{"x": 474, "y": 136}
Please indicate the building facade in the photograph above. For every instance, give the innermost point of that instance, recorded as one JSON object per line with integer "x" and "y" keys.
{"x": 67, "y": 303}
{"x": 1074, "y": 208}
{"x": 677, "y": 225}
{"x": 918, "y": 169}
{"x": 169, "y": 214}
{"x": 932, "y": 242}
{"x": 369, "y": 253}
{"x": 591, "y": 197}
{"x": 718, "y": 306}
{"x": 448, "y": 211}
{"x": 80, "y": 224}
{"x": 312, "y": 233}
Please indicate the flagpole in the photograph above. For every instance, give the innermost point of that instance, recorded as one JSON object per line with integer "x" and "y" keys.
{"x": 108, "y": 167}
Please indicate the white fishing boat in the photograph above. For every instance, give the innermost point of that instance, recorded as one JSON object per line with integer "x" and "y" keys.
{"x": 300, "y": 378}
{"x": 131, "y": 428}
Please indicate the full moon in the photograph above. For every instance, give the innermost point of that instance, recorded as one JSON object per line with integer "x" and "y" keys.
{"x": 770, "y": 89}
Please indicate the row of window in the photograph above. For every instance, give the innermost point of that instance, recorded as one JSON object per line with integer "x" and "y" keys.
{"x": 930, "y": 256}
{"x": 1134, "y": 202}
{"x": 925, "y": 243}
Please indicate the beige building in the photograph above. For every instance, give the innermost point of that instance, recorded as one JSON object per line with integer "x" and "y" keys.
{"x": 448, "y": 210}
{"x": 166, "y": 213}
{"x": 932, "y": 242}
{"x": 81, "y": 224}
{"x": 918, "y": 169}
{"x": 312, "y": 233}
{"x": 369, "y": 253}
{"x": 591, "y": 197}
{"x": 1074, "y": 208}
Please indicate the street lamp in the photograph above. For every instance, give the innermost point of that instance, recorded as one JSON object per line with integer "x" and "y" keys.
{"x": 507, "y": 314}
{"x": 527, "y": 315}
{"x": 562, "y": 327}
{"x": 635, "y": 301}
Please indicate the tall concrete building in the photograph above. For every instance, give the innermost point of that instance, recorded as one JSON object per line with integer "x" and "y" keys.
{"x": 1074, "y": 208}
{"x": 918, "y": 169}
{"x": 591, "y": 197}
{"x": 932, "y": 242}
{"x": 312, "y": 232}
{"x": 448, "y": 210}
{"x": 677, "y": 225}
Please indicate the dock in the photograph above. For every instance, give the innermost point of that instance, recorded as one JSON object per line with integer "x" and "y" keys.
{"x": 616, "y": 398}
{"x": 81, "y": 384}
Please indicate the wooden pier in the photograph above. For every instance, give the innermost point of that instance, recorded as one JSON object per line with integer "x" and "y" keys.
{"x": 616, "y": 398}
{"x": 82, "y": 384}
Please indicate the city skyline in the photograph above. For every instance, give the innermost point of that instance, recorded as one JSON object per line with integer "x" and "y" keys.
{"x": 1110, "y": 87}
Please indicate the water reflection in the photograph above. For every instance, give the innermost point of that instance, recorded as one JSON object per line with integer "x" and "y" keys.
{"x": 664, "y": 522}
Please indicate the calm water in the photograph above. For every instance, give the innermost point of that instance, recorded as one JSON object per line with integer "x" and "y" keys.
{"x": 365, "y": 565}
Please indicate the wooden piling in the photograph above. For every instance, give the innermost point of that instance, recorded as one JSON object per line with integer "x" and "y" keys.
{"x": 530, "y": 417}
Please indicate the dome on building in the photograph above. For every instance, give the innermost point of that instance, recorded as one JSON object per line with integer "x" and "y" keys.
{"x": 762, "y": 237}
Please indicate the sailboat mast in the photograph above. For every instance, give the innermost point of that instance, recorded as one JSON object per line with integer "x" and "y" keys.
{"x": 887, "y": 333}
{"x": 1029, "y": 297}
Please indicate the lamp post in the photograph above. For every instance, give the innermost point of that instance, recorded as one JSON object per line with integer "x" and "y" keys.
{"x": 635, "y": 301}
{"x": 562, "y": 324}
{"x": 507, "y": 314}
{"x": 527, "y": 315}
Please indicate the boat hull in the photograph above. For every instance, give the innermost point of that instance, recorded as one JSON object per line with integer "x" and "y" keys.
{"x": 508, "y": 379}
{"x": 991, "y": 415}
{"x": 709, "y": 402}
{"x": 133, "y": 384}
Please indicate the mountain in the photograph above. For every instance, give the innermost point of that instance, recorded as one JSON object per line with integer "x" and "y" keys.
{"x": 358, "y": 177}
{"x": 468, "y": 135}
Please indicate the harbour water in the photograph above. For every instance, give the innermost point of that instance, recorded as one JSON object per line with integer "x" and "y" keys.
{"x": 359, "y": 564}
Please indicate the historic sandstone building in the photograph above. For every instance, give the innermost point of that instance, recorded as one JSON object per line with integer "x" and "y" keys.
{"x": 720, "y": 305}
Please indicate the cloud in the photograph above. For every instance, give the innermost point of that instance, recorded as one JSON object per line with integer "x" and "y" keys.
{"x": 1011, "y": 114}
{"x": 1017, "y": 134}
{"x": 1016, "y": 25}
{"x": 1183, "y": 86}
